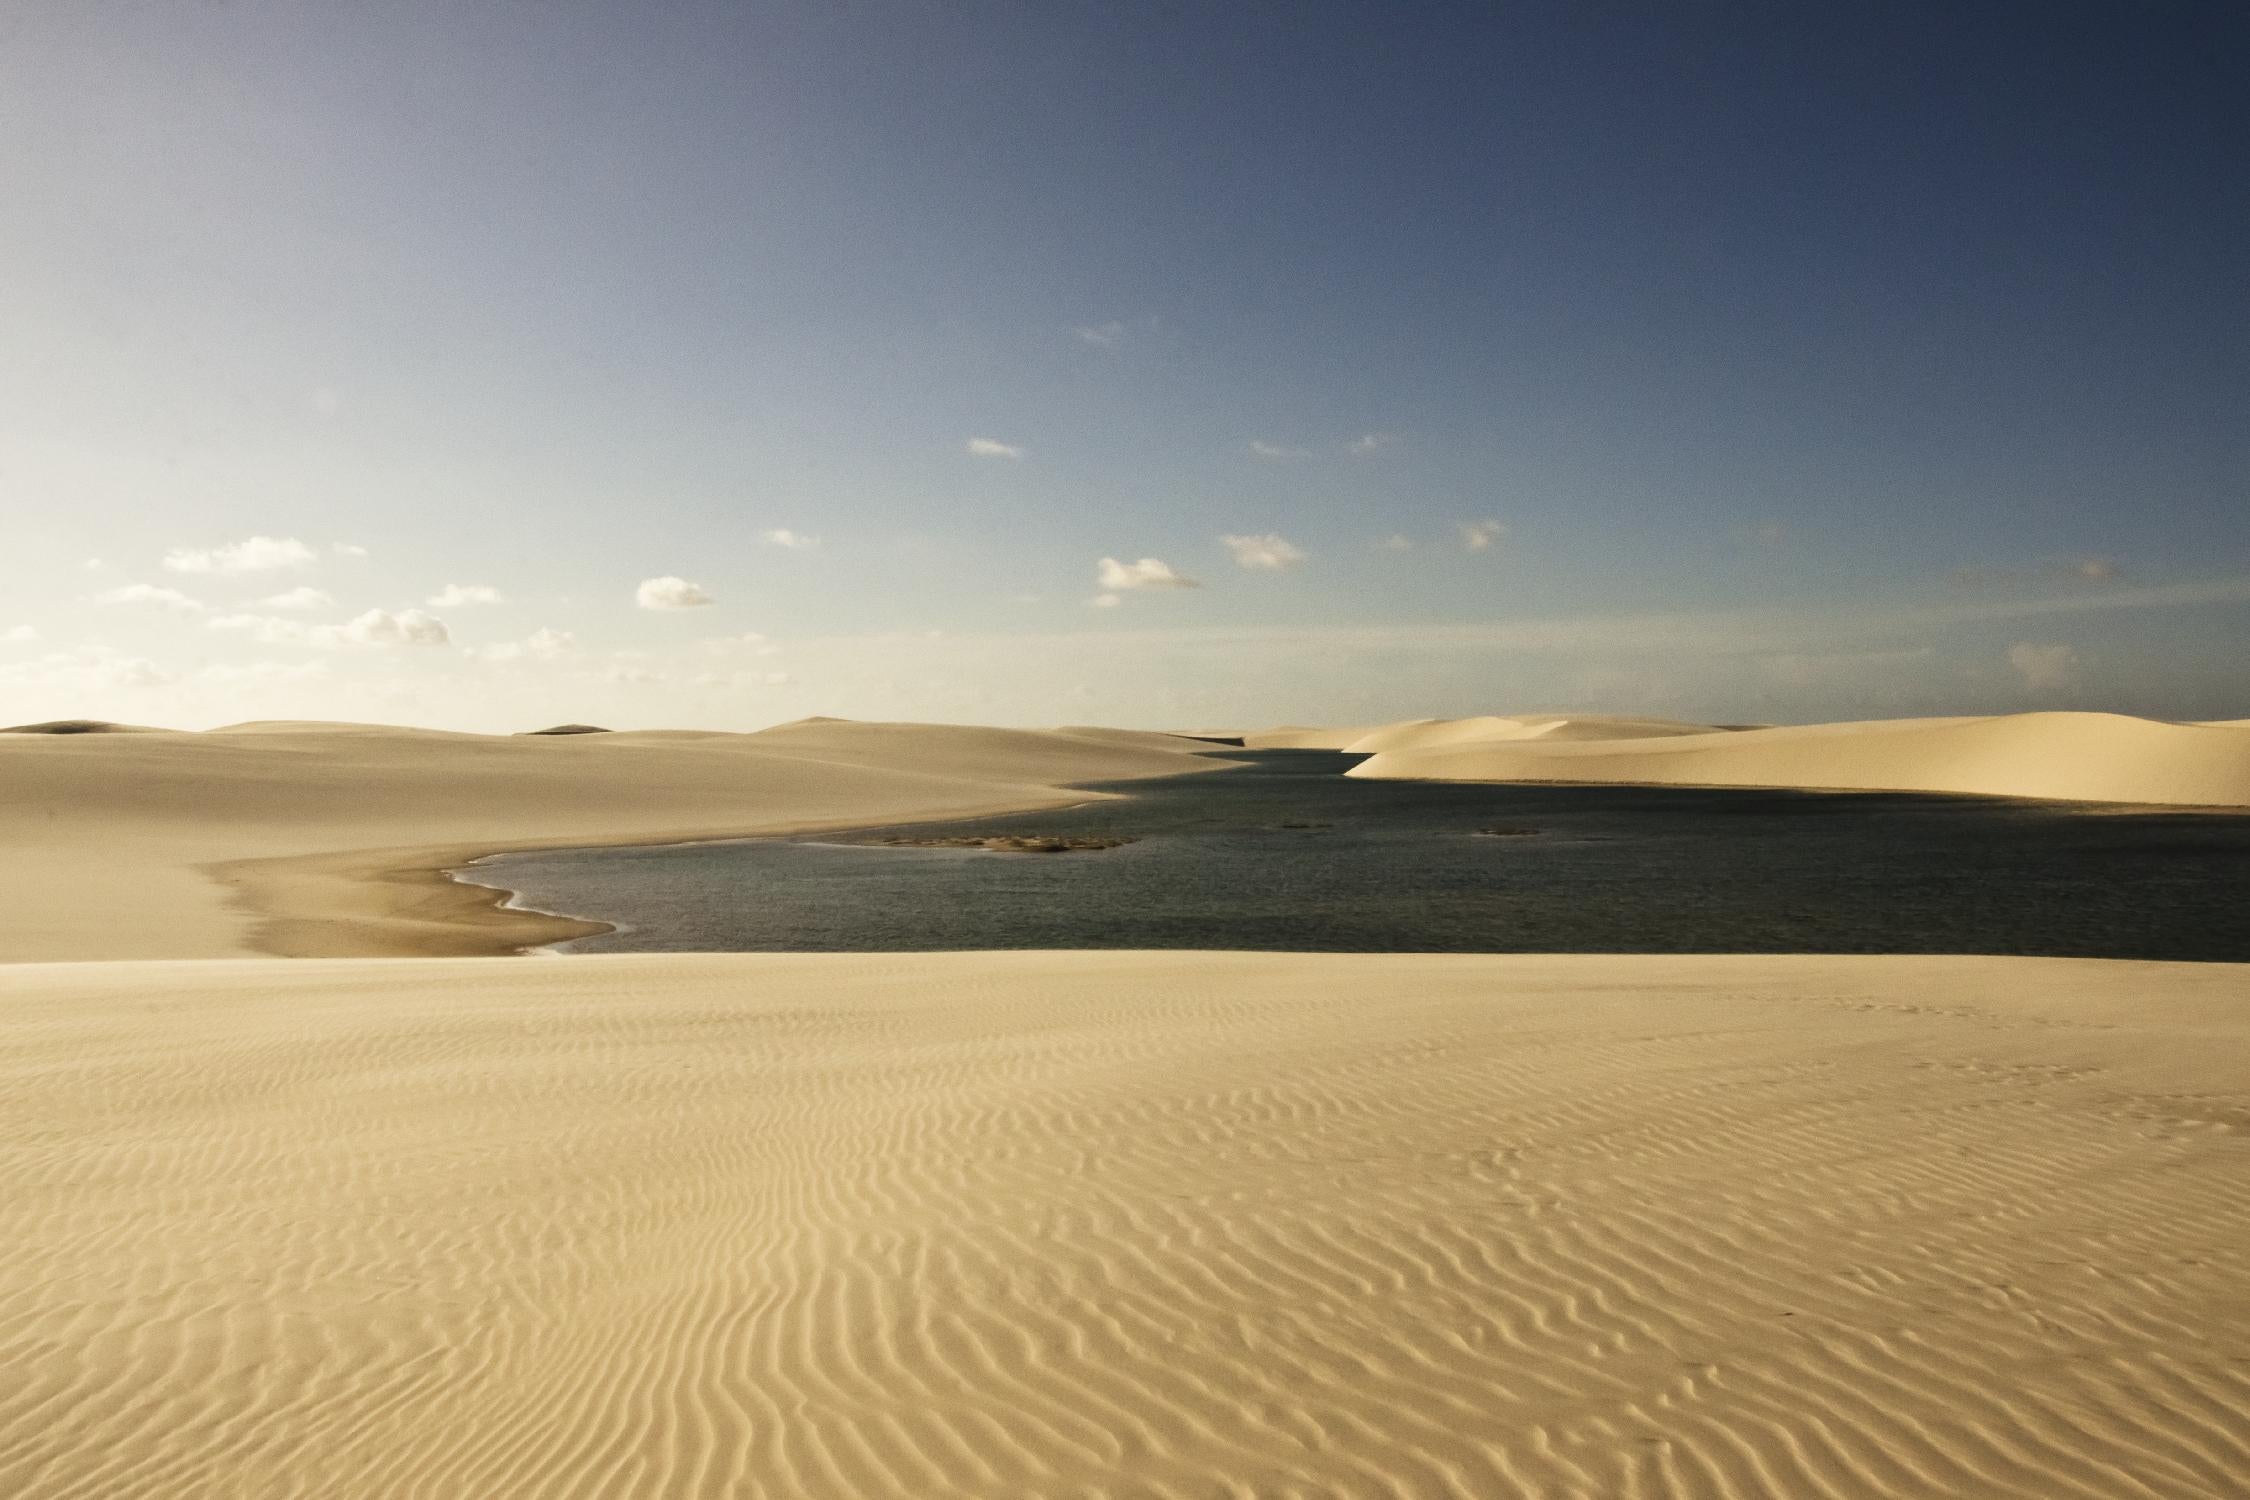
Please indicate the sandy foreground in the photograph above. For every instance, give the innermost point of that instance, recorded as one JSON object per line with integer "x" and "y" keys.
{"x": 1112, "y": 1224}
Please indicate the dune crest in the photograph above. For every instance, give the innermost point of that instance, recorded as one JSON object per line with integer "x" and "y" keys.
{"x": 2078, "y": 757}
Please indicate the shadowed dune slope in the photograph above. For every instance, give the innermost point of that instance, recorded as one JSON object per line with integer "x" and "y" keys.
{"x": 291, "y": 837}
{"x": 2065, "y": 756}
{"x": 968, "y": 1226}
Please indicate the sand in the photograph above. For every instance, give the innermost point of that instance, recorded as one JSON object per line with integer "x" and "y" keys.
{"x": 329, "y": 839}
{"x": 2082, "y": 757}
{"x": 1148, "y": 1225}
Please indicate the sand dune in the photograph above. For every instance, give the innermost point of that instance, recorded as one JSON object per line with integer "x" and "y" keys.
{"x": 1431, "y": 734}
{"x": 1302, "y": 737}
{"x": 313, "y": 839}
{"x": 2065, "y": 756}
{"x": 971, "y": 1225}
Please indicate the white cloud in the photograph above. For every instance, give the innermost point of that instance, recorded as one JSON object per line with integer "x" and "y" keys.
{"x": 2044, "y": 667}
{"x": 670, "y": 592}
{"x": 258, "y": 554}
{"x": 462, "y": 595}
{"x": 1478, "y": 536}
{"x": 543, "y": 644}
{"x": 1275, "y": 450}
{"x": 302, "y": 597}
{"x": 85, "y": 670}
{"x": 253, "y": 674}
{"x": 18, "y": 634}
{"x": 379, "y": 627}
{"x": 1149, "y": 573}
{"x": 1107, "y": 335}
{"x": 1269, "y": 552}
{"x": 1104, "y": 601}
{"x": 1373, "y": 442}
{"x": 269, "y": 630}
{"x": 992, "y": 448}
{"x": 149, "y": 593}
{"x": 795, "y": 541}
{"x": 1397, "y": 542}
{"x": 348, "y": 549}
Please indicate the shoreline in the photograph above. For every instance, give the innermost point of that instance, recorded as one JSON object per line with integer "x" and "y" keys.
{"x": 408, "y": 903}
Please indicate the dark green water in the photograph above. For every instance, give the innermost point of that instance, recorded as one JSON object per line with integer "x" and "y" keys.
{"x": 1400, "y": 866}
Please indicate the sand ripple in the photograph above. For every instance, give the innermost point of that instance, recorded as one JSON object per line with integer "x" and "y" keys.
{"x": 1175, "y": 1225}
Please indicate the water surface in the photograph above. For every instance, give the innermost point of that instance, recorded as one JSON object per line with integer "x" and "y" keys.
{"x": 1284, "y": 852}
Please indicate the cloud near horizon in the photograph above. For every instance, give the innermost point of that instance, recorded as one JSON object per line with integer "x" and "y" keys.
{"x": 992, "y": 448}
{"x": 462, "y": 595}
{"x": 795, "y": 541}
{"x": 2044, "y": 667}
{"x": 258, "y": 554}
{"x": 670, "y": 592}
{"x": 150, "y": 593}
{"x": 543, "y": 644}
{"x": 305, "y": 596}
{"x": 1116, "y": 577}
{"x": 1478, "y": 536}
{"x": 1270, "y": 552}
{"x": 380, "y": 627}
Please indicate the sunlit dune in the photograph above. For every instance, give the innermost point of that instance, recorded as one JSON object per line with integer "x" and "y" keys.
{"x": 2066, "y": 756}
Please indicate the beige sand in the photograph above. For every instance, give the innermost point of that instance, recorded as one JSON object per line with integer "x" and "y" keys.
{"x": 324, "y": 839}
{"x": 1432, "y": 734}
{"x": 2066, "y": 756}
{"x": 1148, "y": 1225}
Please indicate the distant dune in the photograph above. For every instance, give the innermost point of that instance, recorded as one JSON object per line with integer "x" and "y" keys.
{"x": 2065, "y": 756}
{"x": 327, "y": 839}
{"x": 81, "y": 726}
{"x": 1123, "y": 1226}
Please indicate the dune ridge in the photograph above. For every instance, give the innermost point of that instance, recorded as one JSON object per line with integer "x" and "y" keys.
{"x": 2077, "y": 757}
{"x": 1111, "y": 1225}
{"x": 314, "y": 839}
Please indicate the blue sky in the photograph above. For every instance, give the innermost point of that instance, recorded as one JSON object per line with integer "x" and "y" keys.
{"x": 1735, "y": 362}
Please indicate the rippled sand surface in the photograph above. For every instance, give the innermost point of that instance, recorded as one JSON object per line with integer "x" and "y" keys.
{"x": 1125, "y": 1225}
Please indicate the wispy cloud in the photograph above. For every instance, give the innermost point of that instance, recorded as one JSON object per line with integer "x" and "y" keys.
{"x": 348, "y": 549}
{"x": 543, "y": 644}
{"x": 670, "y": 592}
{"x": 305, "y": 596}
{"x": 1479, "y": 536}
{"x": 1264, "y": 449}
{"x": 267, "y": 630}
{"x": 1107, "y": 335}
{"x": 380, "y": 627}
{"x": 1397, "y": 541}
{"x": 1270, "y": 552}
{"x": 2044, "y": 667}
{"x": 795, "y": 541}
{"x": 992, "y": 448}
{"x": 1368, "y": 444}
{"x": 1116, "y": 577}
{"x": 258, "y": 554}
{"x": 17, "y": 635}
{"x": 2077, "y": 572}
{"x": 463, "y": 595}
{"x": 149, "y": 593}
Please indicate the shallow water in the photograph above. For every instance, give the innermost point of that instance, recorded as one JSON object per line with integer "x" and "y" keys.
{"x": 1401, "y": 866}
